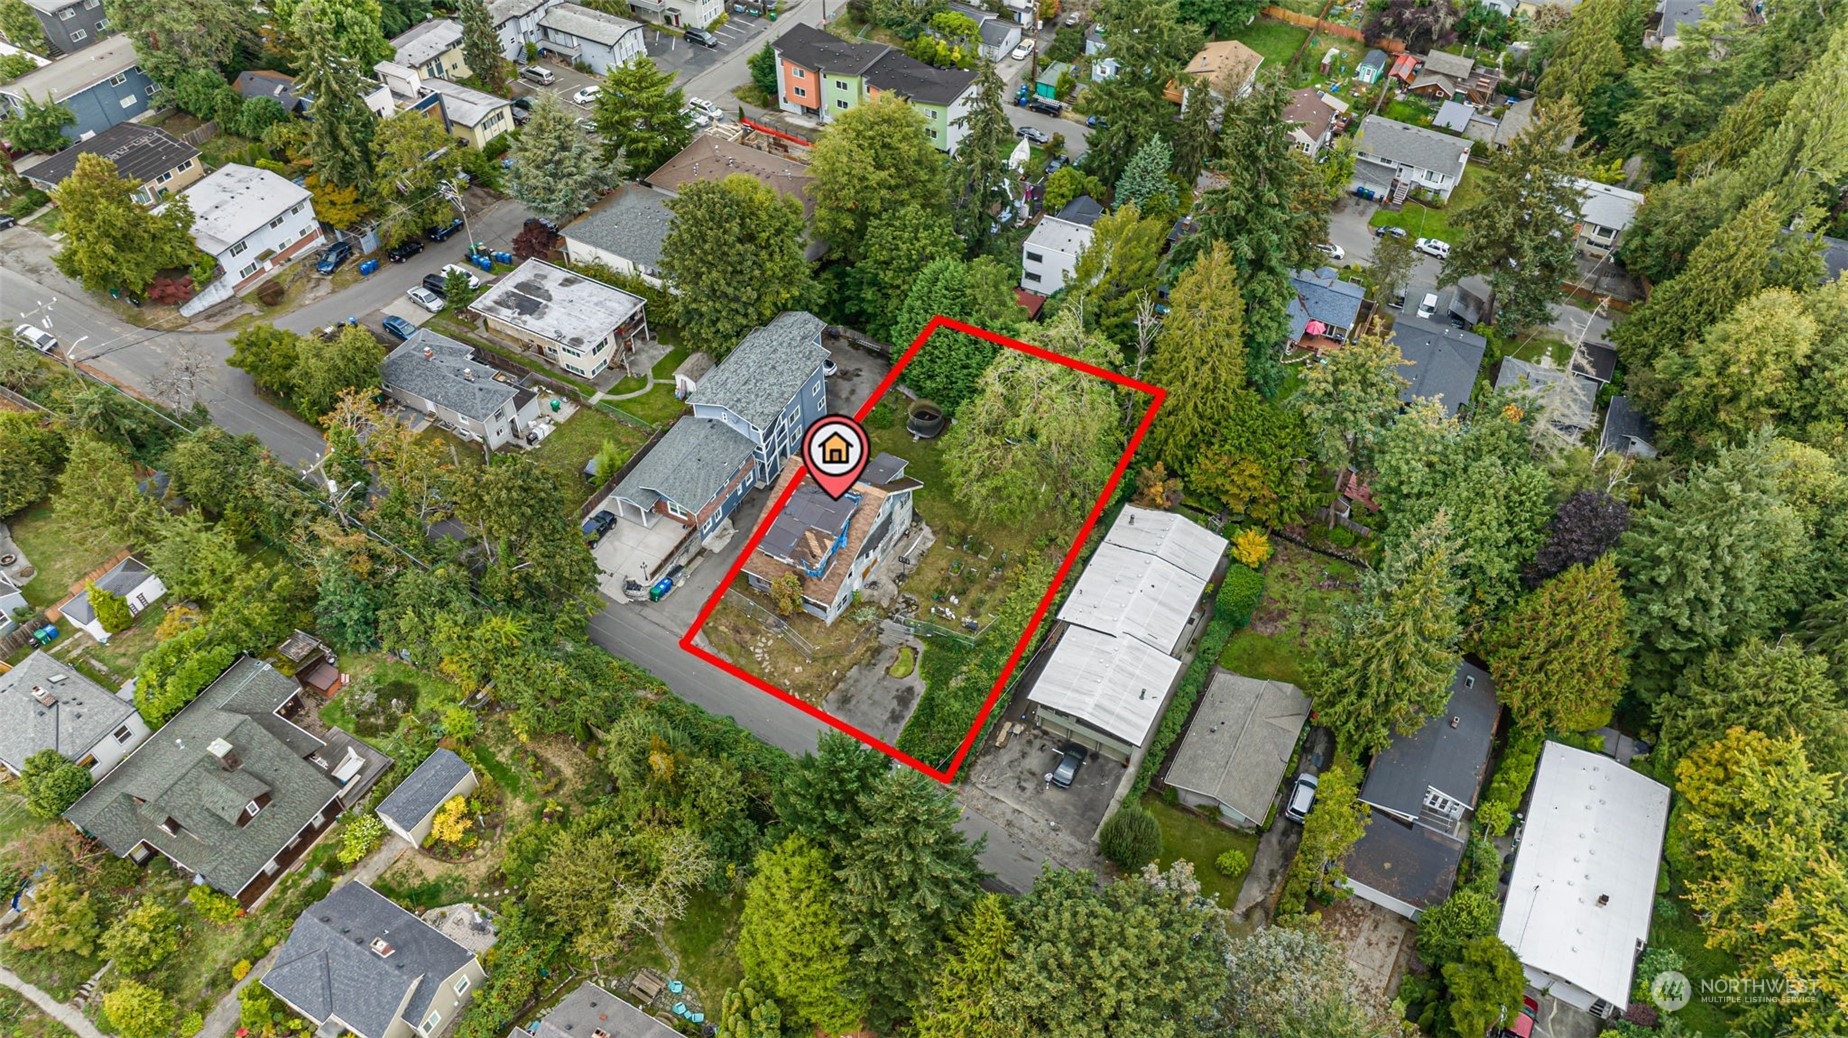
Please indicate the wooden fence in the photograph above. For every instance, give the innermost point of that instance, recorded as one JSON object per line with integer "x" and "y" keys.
{"x": 1284, "y": 14}
{"x": 201, "y": 135}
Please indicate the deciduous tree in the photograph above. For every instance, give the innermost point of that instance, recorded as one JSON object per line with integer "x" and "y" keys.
{"x": 1286, "y": 982}
{"x": 791, "y": 940}
{"x": 1559, "y": 657}
{"x": 734, "y": 250}
{"x": 66, "y": 918}
{"x": 143, "y": 937}
{"x": 39, "y": 125}
{"x": 556, "y": 171}
{"x": 1331, "y": 830}
{"x": 176, "y": 36}
{"x": 1348, "y": 400}
{"x": 1116, "y": 272}
{"x": 1421, "y": 25}
{"x": 21, "y": 27}
{"x": 140, "y": 1011}
{"x": 603, "y": 885}
{"x": 51, "y": 783}
{"x": 1445, "y": 929}
{"x": 1484, "y": 986}
{"x": 1585, "y": 527}
{"x": 413, "y": 157}
{"x": 898, "y": 246}
{"x": 1256, "y": 466}
{"x": 110, "y": 240}
{"x": 638, "y": 117}
{"x": 875, "y": 158}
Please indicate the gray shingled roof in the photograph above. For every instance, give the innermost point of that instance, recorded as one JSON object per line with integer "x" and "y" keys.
{"x": 1568, "y": 408}
{"x": 689, "y": 466}
{"x": 1626, "y": 430}
{"x": 276, "y": 86}
{"x": 766, "y": 370}
{"x": 328, "y": 968}
{"x": 813, "y": 48}
{"x": 587, "y": 24}
{"x": 1444, "y": 63}
{"x": 631, "y": 223}
{"x": 423, "y": 790}
{"x": 74, "y": 73}
{"x": 440, "y": 378}
{"x": 1321, "y": 295}
{"x": 173, "y": 776}
{"x": 589, "y": 1008}
{"x": 1438, "y": 756}
{"x": 1239, "y": 741}
{"x": 1440, "y": 361}
{"x": 81, "y": 715}
{"x": 139, "y": 153}
{"x": 1403, "y": 860}
{"x": 426, "y": 41}
{"x": 126, "y": 576}
{"x": 913, "y": 80}
{"x": 1410, "y": 145}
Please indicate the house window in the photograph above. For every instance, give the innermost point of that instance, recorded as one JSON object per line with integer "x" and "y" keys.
{"x": 1032, "y": 276}
{"x": 102, "y": 25}
{"x": 79, "y": 34}
{"x": 123, "y": 734}
{"x": 799, "y": 73}
{"x": 801, "y": 92}
{"x": 933, "y": 134}
{"x": 252, "y": 808}
{"x": 840, "y": 84}
{"x": 149, "y": 90}
{"x": 277, "y": 222}
{"x": 1034, "y": 257}
{"x": 131, "y": 100}
{"x": 249, "y": 269}
{"x": 118, "y": 79}
{"x": 164, "y": 177}
{"x": 931, "y": 114}
{"x": 461, "y": 985}
{"x": 841, "y": 103}
{"x": 430, "y": 1022}
{"x": 238, "y": 249}
{"x": 296, "y": 208}
{"x": 678, "y": 512}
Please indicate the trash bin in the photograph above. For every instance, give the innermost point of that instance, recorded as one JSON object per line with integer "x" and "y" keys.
{"x": 482, "y": 261}
{"x": 368, "y": 267}
{"x": 505, "y": 259}
{"x": 557, "y": 405}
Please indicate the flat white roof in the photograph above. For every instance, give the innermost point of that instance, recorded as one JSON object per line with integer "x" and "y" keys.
{"x": 1172, "y": 538}
{"x": 1584, "y": 878}
{"x": 1117, "y": 685}
{"x": 1060, "y": 235}
{"x": 553, "y": 303}
{"x": 233, "y": 203}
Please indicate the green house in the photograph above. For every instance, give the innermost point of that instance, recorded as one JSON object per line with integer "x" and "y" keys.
{"x": 1047, "y": 85}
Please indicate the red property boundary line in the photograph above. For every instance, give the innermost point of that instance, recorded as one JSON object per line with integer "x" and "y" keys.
{"x": 944, "y": 775}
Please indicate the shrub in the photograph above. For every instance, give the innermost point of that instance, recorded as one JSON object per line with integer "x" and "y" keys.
{"x": 52, "y": 782}
{"x": 27, "y": 203}
{"x": 111, "y": 609}
{"x": 1232, "y": 863}
{"x": 1239, "y": 594}
{"x": 1131, "y": 838}
{"x": 240, "y": 969}
{"x": 213, "y": 907}
{"x": 360, "y": 838}
{"x": 1512, "y": 777}
{"x": 1251, "y": 547}
{"x": 1495, "y": 817}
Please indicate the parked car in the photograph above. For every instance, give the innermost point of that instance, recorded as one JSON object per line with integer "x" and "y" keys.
{"x": 703, "y": 38}
{"x": 1427, "y": 307}
{"x": 521, "y": 116}
{"x": 427, "y": 299}
{"x": 1034, "y": 134}
{"x": 1331, "y": 250}
{"x": 829, "y": 368}
{"x": 404, "y": 250}
{"x": 596, "y": 526}
{"x": 444, "y": 231}
{"x": 1302, "y": 798}
{"x": 1056, "y": 163}
{"x": 1071, "y": 758}
{"x": 1044, "y": 105}
{"x": 1073, "y": 18}
{"x": 535, "y": 74}
{"x": 398, "y": 328}
{"x": 37, "y": 338}
{"x": 521, "y": 104}
{"x": 6, "y": 220}
{"x": 1397, "y": 302}
{"x": 1381, "y": 232}
{"x": 1523, "y": 1025}
{"x": 695, "y": 118}
{"x": 712, "y": 111}
{"x": 747, "y": 8}
{"x": 433, "y": 283}
{"x": 1433, "y": 247}
{"x": 457, "y": 268}
{"x": 586, "y": 95}
{"x": 1021, "y": 52}
{"x": 336, "y": 254}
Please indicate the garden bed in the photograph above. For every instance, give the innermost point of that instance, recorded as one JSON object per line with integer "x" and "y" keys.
{"x": 1301, "y": 592}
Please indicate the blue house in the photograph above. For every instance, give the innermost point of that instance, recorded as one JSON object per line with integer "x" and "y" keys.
{"x": 770, "y": 388}
{"x": 101, "y": 85}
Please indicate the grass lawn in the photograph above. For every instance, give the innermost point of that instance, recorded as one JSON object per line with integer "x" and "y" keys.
{"x": 1423, "y": 221}
{"x": 1271, "y": 657}
{"x": 663, "y": 370}
{"x": 569, "y": 446}
{"x": 1276, "y": 41}
{"x": 703, "y": 942}
{"x": 1185, "y": 834}
{"x": 22, "y": 1019}
{"x": 125, "y": 648}
{"x": 1683, "y": 934}
{"x": 424, "y": 692}
{"x": 47, "y": 224}
{"x": 657, "y": 407}
{"x": 57, "y": 556}
{"x": 1542, "y": 347}
{"x": 1301, "y": 591}
{"x": 1411, "y": 111}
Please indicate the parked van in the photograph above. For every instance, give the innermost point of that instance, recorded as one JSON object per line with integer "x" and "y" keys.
{"x": 1428, "y": 306}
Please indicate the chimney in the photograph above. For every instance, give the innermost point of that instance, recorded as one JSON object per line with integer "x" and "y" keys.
{"x": 44, "y": 697}
{"x": 1455, "y": 721}
{"x": 468, "y": 373}
{"x": 382, "y": 947}
{"x": 226, "y": 754}
{"x": 429, "y": 354}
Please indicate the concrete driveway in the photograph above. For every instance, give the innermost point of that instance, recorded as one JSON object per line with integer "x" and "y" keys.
{"x": 1277, "y": 847}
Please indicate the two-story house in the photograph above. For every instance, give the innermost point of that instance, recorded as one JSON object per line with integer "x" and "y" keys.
{"x": 770, "y": 388}
{"x": 161, "y": 162}
{"x": 997, "y": 34}
{"x": 358, "y": 964}
{"x": 433, "y": 48}
{"x": 1401, "y": 157}
{"x": 1311, "y": 115}
{"x": 598, "y": 39}
{"x": 831, "y": 545}
{"x": 1051, "y": 251}
{"x": 578, "y": 323}
{"x": 820, "y": 75}
{"x": 516, "y": 25}
{"x": 1227, "y": 67}
{"x": 100, "y": 85}
{"x": 1605, "y": 212}
{"x": 70, "y": 25}
{"x": 1097, "y": 52}
{"x": 681, "y": 14}
{"x": 460, "y": 387}
{"x": 252, "y": 222}
{"x": 47, "y": 705}
{"x": 473, "y": 117}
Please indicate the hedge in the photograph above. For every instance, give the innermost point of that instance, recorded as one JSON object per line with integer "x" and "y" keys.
{"x": 1508, "y": 787}
{"x": 1239, "y": 594}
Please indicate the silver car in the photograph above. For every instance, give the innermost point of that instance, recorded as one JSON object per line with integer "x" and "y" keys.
{"x": 1302, "y": 798}
{"x": 427, "y": 299}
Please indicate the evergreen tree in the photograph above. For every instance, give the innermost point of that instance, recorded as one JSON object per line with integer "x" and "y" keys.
{"x": 1145, "y": 182}
{"x": 980, "y": 292}
{"x": 1775, "y": 688}
{"x": 556, "y": 171}
{"x": 1389, "y": 660}
{"x": 1196, "y": 138}
{"x": 340, "y": 135}
{"x": 898, "y": 246}
{"x": 875, "y": 158}
{"x": 1283, "y": 982}
{"x": 1445, "y": 929}
{"x": 978, "y": 171}
{"x": 1115, "y": 273}
{"x": 763, "y": 70}
{"x": 1255, "y": 466}
{"x": 964, "y": 992}
{"x": 791, "y": 939}
{"x": 639, "y": 118}
{"x": 178, "y": 36}
{"x": 143, "y": 937}
{"x": 51, "y": 783}
{"x": 1592, "y": 56}
{"x": 1559, "y": 657}
{"x": 39, "y": 125}
{"x": 481, "y": 47}
{"x": 734, "y": 250}
{"x": 1203, "y": 378}
{"x": 1348, "y": 400}
{"x": 1744, "y": 373}
{"x": 822, "y": 795}
{"x": 110, "y": 240}
{"x": 1151, "y": 45}
{"x": 1337, "y": 822}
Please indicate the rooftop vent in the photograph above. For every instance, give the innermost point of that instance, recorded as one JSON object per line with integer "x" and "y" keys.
{"x": 226, "y": 754}
{"x": 58, "y": 678}
{"x": 468, "y": 373}
{"x": 1455, "y": 721}
{"x": 44, "y": 696}
{"x": 382, "y": 947}
{"x": 1603, "y": 899}
{"x": 429, "y": 354}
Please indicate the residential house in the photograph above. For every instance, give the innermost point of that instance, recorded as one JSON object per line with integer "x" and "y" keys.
{"x": 1324, "y": 308}
{"x": 1406, "y": 157}
{"x": 12, "y": 603}
{"x": 1372, "y": 66}
{"x": 1050, "y": 253}
{"x": 460, "y": 387}
{"x": 1312, "y": 115}
{"x": 598, "y": 39}
{"x": 101, "y": 85}
{"x": 682, "y": 14}
{"x": 999, "y": 34}
{"x": 232, "y": 790}
{"x": 473, "y": 117}
{"x": 516, "y": 25}
{"x": 1122, "y": 631}
{"x": 131, "y": 579}
{"x": 45, "y": 704}
{"x": 820, "y": 75}
{"x": 70, "y": 25}
{"x": 1442, "y": 75}
{"x": 410, "y": 809}
{"x": 695, "y": 475}
{"x": 589, "y": 1011}
{"x": 1423, "y": 789}
{"x": 277, "y": 86}
{"x": 578, "y": 323}
{"x": 357, "y": 963}
{"x": 1606, "y": 212}
{"x": 1626, "y": 430}
{"x": 831, "y": 545}
{"x": 1513, "y": 121}
{"x": 1440, "y": 360}
{"x": 1404, "y": 69}
{"x": 252, "y": 222}
{"x": 1097, "y": 52}
{"x": 1238, "y": 744}
{"x": 160, "y": 161}
{"x": 623, "y": 231}
{"x": 712, "y": 157}
{"x": 1662, "y": 29}
{"x": 1584, "y": 883}
{"x": 1568, "y": 400}
{"x": 433, "y": 48}
{"x": 1227, "y": 67}
{"x": 769, "y": 388}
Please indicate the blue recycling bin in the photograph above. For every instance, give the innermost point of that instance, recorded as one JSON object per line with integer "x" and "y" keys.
{"x": 505, "y": 259}
{"x": 368, "y": 267}
{"x": 482, "y": 261}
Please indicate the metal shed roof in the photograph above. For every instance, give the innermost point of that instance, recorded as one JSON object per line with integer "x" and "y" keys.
{"x": 1116, "y": 685}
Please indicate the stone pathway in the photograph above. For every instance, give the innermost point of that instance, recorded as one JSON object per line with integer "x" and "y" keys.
{"x": 53, "y": 1008}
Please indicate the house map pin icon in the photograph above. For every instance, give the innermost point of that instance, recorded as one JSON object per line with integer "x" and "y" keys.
{"x": 835, "y": 449}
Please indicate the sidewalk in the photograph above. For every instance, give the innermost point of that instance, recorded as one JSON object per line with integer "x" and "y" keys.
{"x": 53, "y": 1008}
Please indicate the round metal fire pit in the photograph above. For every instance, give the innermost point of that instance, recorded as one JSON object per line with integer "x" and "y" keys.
{"x": 925, "y": 420}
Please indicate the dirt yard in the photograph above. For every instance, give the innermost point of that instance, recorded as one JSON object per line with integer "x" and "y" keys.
{"x": 1377, "y": 942}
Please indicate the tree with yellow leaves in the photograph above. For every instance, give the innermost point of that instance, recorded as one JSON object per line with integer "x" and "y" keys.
{"x": 451, "y": 824}
{"x": 1251, "y": 547}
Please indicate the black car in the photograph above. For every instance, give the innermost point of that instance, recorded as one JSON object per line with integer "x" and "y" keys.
{"x": 444, "y": 231}
{"x": 1034, "y": 134}
{"x": 522, "y": 104}
{"x": 1071, "y": 758}
{"x": 435, "y": 282}
{"x": 1044, "y": 106}
{"x": 702, "y": 37}
{"x": 404, "y": 250}
{"x": 6, "y": 221}
{"x": 597, "y": 525}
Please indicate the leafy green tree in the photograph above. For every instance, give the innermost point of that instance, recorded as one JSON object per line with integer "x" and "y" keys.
{"x": 481, "y": 48}
{"x": 898, "y": 246}
{"x": 173, "y": 37}
{"x": 1445, "y": 929}
{"x": 51, "y": 783}
{"x": 1255, "y": 465}
{"x": 339, "y": 142}
{"x": 140, "y": 1011}
{"x": 792, "y": 943}
{"x": 143, "y": 937}
{"x": 97, "y": 502}
{"x": 39, "y": 125}
{"x": 734, "y": 252}
{"x": 1116, "y": 272}
{"x": 556, "y": 171}
{"x": 327, "y": 370}
{"x": 978, "y": 170}
{"x": 1744, "y": 373}
{"x": 639, "y": 119}
{"x": 1485, "y": 985}
{"x": 112, "y": 241}
{"x": 255, "y": 115}
{"x": 196, "y": 559}
{"x": 602, "y": 885}
{"x": 822, "y": 794}
{"x": 1559, "y": 657}
{"x": 904, "y": 883}
{"x": 747, "y": 1014}
{"x": 1038, "y": 439}
{"x": 763, "y": 70}
{"x": 1349, "y": 399}
{"x": 1131, "y": 837}
{"x": 21, "y": 27}
{"x": 408, "y": 178}
{"x": 531, "y": 547}
{"x": 963, "y": 992}
{"x": 352, "y": 27}
{"x": 1145, "y": 182}
{"x": 111, "y": 609}
{"x": 1520, "y": 235}
{"x": 1336, "y": 823}
{"x": 1151, "y": 44}
{"x": 66, "y": 918}
{"x": 1389, "y": 659}
{"x": 1071, "y": 183}
{"x": 980, "y": 292}
{"x": 1219, "y": 17}
{"x": 1391, "y": 270}
{"x": 269, "y": 355}
{"x": 1709, "y": 563}
{"x": 1591, "y": 58}
{"x": 1286, "y": 982}
{"x": 1775, "y": 688}
{"x": 1203, "y": 378}
{"x": 875, "y": 158}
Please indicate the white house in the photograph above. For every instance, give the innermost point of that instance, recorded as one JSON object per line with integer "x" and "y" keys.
{"x": 1403, "y": 157}
{"x": 46, "y": 705}
{"x": 602, "y": 41}
{"x": 1604, "y": 214}
{"x": 578, "y": 323}
{"x": 252, "y": 222}
{"x": 1584, "y": 881}
{"x": 1311, "y": 116}
{"x": 130, "y": 579}
{"x": 1051, "y": 251}
{"x": 624, "y": 231}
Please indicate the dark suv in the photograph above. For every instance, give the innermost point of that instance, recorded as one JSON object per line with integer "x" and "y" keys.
{"x": 702, "y": 37}
{"x": 434, "y": 282}
{"x": 598, "y": 525}
{"x": 1071, "y": 758}
{"x": 404, "y": 250}
{"x": 336, "y": 254}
